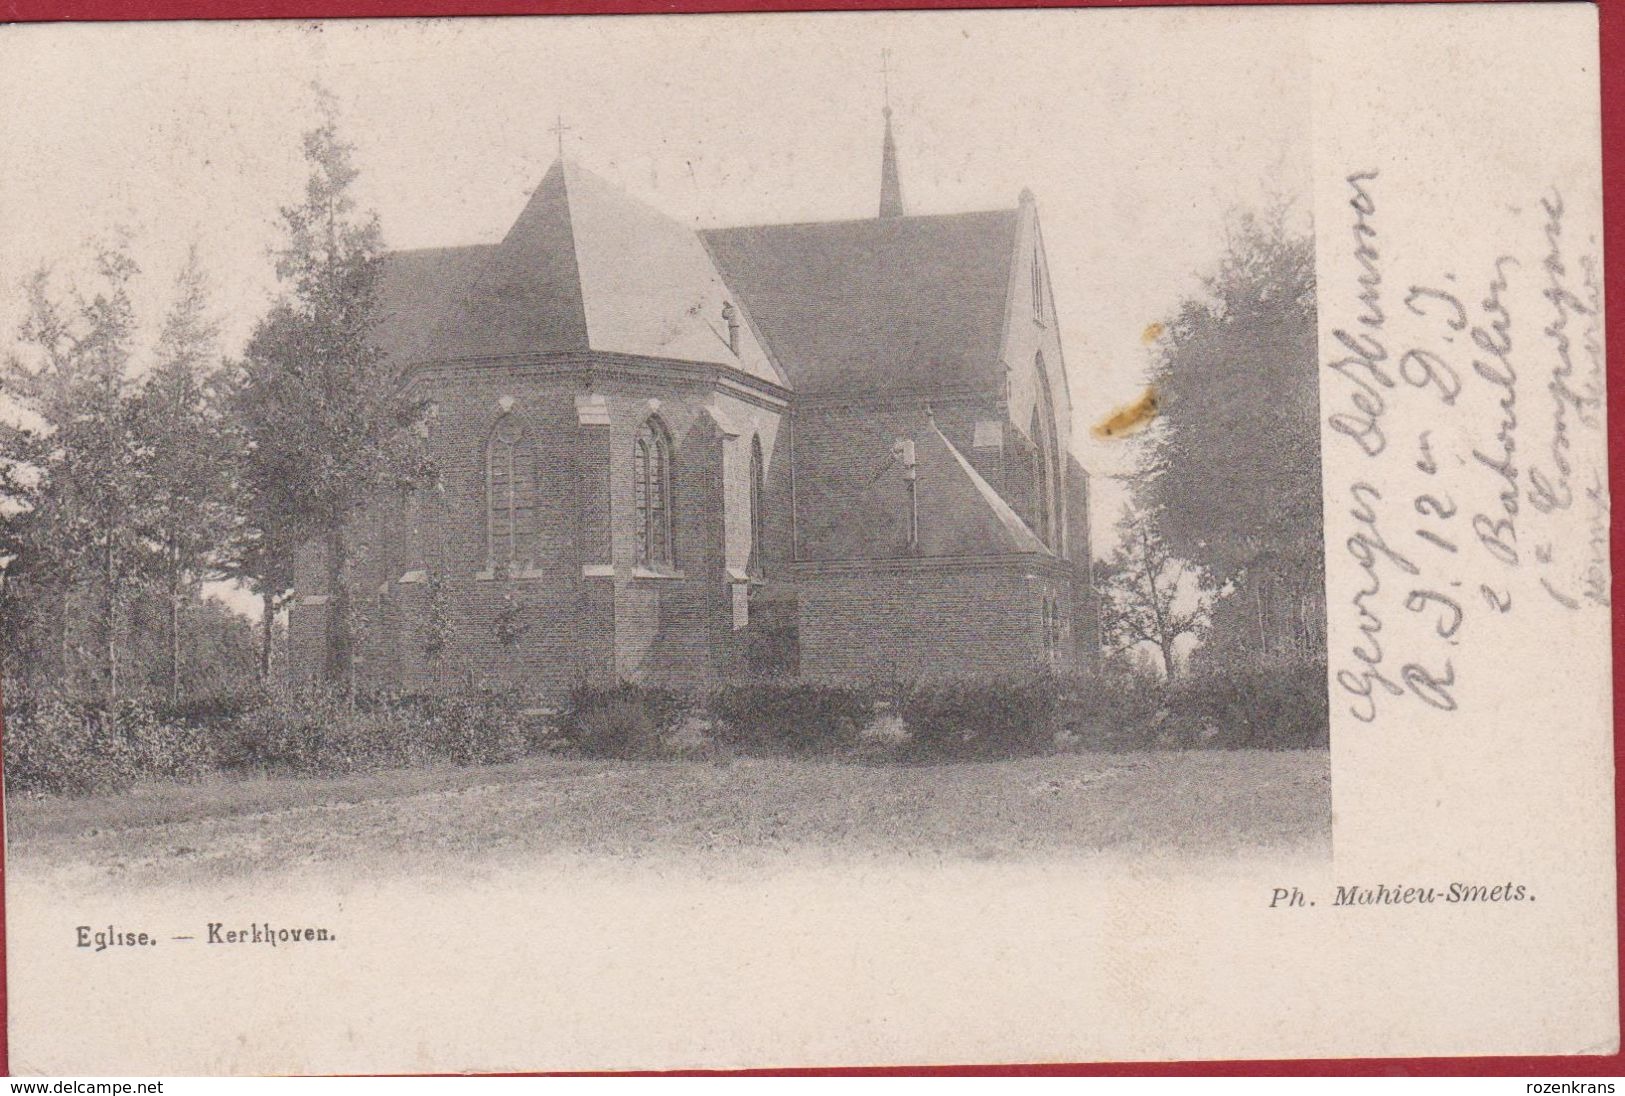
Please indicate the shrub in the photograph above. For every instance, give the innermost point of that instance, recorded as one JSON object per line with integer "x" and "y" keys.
{"x": 243, "y": 742}
{"x": 624, "y": 720}
{"x": 54, "y": 745}
{"x": 215, "y": 710}
{"x": 790, "y": 717}
{"x": 1112, "y": 709}
{"x": 1279, "y": 705}
{"x": 51, "y": 747}
{"x": 1274, "y": 706}
{"x": 315, "y": 732}
{"x": 479, "y": 727}
{"x": 980, "y": 718}
{"x": 164, "y": 749}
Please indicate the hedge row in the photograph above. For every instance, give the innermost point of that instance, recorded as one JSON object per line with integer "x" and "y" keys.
{"x": 55, "y": 746}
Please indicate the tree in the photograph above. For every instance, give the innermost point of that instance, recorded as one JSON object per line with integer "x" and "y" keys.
{"x": 268, "y": 534}
{"x": 323, "y": 413}
{"x": 24, "y": 599}
{"x": 1233, "y": 468}
{"x": 79, "y": 436}
{"x": 185, "y": 457}
{"x": 1148, "y": 595}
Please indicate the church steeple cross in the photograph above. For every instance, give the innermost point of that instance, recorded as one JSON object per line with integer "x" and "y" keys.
{"x": 559, "y": 129}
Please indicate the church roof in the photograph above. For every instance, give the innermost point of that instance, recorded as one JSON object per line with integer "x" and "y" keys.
{"x": 857, "y": 510}
{"x": 584, "y": 268}
{"x": 978, "y": 516}
{"x": 889, "y": 305}
{"x": 415, "y": 291}
{"x": 526, "y": 296}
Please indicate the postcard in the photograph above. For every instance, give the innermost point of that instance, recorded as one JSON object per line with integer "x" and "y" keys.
{"x": 805, "y": 540}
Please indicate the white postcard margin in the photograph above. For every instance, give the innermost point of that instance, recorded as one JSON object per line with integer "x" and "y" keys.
{"x": 1465, "y": 119}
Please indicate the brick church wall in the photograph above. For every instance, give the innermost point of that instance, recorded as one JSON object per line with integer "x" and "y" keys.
{"x": 578, "y": 607}
{"x": 662, "y": 623}
{"x": 680, "y": 628}
{"x": 435, "y": 616}
{"x": 1085, "y": 614}
{"x": 924, "y": 618}
{"x": 516, "y": 632}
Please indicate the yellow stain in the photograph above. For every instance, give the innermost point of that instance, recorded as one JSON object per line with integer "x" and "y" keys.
{"x": 1130, "y": 417}
{"x": 1152, "y": 332}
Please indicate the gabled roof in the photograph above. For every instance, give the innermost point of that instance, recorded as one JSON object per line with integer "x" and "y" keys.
{"x": 889, "y": 305}
{"x": 584, "y": 267}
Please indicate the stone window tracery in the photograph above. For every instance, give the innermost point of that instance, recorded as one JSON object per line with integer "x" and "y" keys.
{"x": 651, "y": 457}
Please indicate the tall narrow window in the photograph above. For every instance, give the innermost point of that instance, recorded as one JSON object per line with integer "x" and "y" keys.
{"x": 1038, "y": 287}
{"x": 510, "y": 494}
{"x": 758, "y": 508}
{"x": 651, "y": 457}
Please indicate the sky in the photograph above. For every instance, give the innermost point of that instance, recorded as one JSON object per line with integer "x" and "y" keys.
{"x": 1136, "y": 130}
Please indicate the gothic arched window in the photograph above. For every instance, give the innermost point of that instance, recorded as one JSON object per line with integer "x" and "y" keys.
{"x": 758, "y": 507}
{"x": 510, "y": 495}
{"x": 651, "y": 472}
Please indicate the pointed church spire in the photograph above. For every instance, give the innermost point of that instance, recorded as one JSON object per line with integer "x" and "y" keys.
{"x": 891, "y": 191}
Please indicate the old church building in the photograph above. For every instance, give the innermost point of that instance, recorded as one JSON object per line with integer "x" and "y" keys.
{"x": 834, "y": 449}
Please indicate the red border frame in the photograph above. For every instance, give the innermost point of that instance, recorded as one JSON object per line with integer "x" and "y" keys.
{"x": 1612, "y": 60}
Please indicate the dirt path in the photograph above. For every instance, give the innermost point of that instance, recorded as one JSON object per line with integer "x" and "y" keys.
{"x": 1200, "y": 802}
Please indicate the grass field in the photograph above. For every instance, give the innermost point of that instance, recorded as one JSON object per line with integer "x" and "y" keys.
{"x": 1200, "y": 802}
